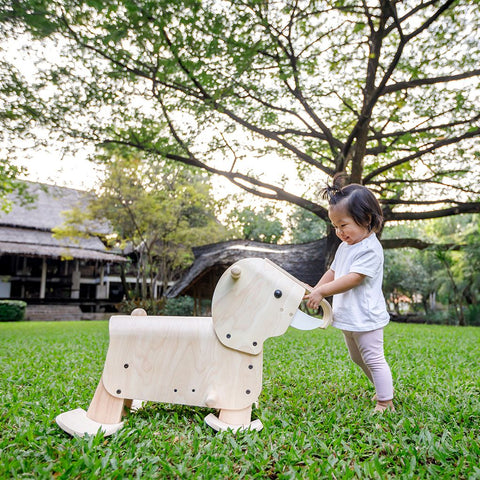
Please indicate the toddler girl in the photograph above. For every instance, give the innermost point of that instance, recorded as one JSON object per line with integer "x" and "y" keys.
{"x": 355, "y": 281}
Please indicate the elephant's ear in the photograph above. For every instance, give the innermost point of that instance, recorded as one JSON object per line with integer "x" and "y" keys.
{"x": 254, "y": 300}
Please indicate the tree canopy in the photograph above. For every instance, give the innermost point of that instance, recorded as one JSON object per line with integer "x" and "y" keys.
{"x": 262, "y": 226}
{"x": 444, "y": 273}
{"x": 386, "y": 91}
{"x": 155, "y": 211}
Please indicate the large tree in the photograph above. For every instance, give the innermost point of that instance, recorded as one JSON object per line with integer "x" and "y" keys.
{"x": 384, "y": 90}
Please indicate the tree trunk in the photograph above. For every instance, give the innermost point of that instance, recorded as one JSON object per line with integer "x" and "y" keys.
{"x": 123, "y": 278}
{"x": 331, "y": 247}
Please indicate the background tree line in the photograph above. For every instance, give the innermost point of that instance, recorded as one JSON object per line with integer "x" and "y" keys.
{"x": 275, "y": 97}
{"x": 383, "y": 90}
{"x": 157, "y": 213}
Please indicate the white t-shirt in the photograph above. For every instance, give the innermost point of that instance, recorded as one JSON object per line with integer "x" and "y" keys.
{"x": 362, "y": 308}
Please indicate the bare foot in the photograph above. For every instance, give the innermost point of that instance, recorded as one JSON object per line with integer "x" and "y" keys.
{"x": 382, "y": 406}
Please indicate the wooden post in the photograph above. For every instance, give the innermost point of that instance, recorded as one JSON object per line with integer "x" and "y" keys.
{"x": 75, "y": 292}
{"x": 43, "y": 279}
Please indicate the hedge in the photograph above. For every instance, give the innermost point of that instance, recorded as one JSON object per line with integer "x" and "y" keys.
{"x": 12, "y": 310}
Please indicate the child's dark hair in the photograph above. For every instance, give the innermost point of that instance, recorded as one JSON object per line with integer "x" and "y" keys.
{"x": 360, "y": 202}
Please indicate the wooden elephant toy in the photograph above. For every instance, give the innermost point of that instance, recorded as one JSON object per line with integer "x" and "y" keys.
{"x": 213, "y": 362}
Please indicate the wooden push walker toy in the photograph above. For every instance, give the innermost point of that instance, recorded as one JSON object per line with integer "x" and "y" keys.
{"x": 213, "y": 362}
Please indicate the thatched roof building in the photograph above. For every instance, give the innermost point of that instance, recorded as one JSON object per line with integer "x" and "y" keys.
{"x": 27, "y": 228}
{"x": 40, "y": 269}
{"x": 304, "y": 261}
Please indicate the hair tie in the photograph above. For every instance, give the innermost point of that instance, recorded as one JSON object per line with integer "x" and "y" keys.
{"x": 334, "y": 191}
{"x": 331, "y": 191}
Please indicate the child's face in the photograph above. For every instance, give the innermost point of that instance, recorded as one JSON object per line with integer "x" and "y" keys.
{"x": 345, "y": 226}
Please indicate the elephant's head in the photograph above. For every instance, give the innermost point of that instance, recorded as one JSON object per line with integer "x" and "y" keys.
{"x": 254, "y": 300}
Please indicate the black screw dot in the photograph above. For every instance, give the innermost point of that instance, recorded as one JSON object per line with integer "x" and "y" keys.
{"x": 255, "y": 344}
{"x": 250, "y": 367}
{"x": 277, "y": 293}
{"x": 248, "y": 392}
{"x": 119, "y": 392}
{"x": 125, "y": 366}
{"x": 175, "y": 390}
{"x": 228, "y": 335}
{"x": 193, "y": 389}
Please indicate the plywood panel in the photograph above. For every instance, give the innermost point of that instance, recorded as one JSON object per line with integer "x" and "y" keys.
{"x": 178, "y": 360}
{"x": 257, "y": 302}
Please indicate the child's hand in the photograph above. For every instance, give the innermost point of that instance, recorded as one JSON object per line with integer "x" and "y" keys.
{"x": 310, "y": 289}
{"x": 313, "y": 299}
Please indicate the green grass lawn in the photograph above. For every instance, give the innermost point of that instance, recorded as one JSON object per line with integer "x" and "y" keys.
{"x": 315, "y": 405}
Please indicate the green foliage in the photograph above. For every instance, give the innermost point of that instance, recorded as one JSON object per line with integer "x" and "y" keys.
{"x": 473, "y": 315}
{"x": 157, "y": 209}
{"x": 315, "y": 405}
{"x": 11, "y": 186}
{"x": 12, "y": 310}
{"x": 410, "y": 273}
{"x": 451, "y": 272}
{"x": 259, "y": 226}
{"x": 389, "y": 95}
{"x": 180, "y": 307}
{"x": 305, "y": 227}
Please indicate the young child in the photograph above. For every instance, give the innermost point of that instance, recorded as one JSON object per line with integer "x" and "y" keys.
{"x": 355, "y": 281}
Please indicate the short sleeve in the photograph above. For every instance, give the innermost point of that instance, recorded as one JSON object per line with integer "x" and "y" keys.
{"x": 367, "y": 262}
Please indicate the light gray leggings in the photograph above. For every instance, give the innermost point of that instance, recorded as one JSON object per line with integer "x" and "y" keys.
{"x": 366, "y": 350}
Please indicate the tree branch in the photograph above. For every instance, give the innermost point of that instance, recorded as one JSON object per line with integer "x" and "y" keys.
{"x": 429, "y": 181}
{"x": 371, "y": 100}
{"x": 391, "y": 243}
{"x": 435, "y": 146}
{"x": 209, "y": 99}
{"x": 428, "y": 81}
{"x": 414, "y": 131}
{"x": 445, "y": 212}
{"x": 245, "y": 182}
{"x": 395, "y": 201}
{"x": 297, "y": 91}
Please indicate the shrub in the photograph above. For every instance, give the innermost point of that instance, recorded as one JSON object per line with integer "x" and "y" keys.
{"x": 472, "y": 315}
{"x": 441, "y": 317}
{"x": 175, "y": 307}
{"x": 12, "y": 310}
{"x": 181, "y": 307}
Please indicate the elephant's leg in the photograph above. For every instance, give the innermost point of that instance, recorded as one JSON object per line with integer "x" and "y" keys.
{"x": 236, "y": 417}
{"x": 134, "y": 405}
{"x": 233, "y": 420}
{"x": 105, "y": 408}
{"x": 104, "y": 413}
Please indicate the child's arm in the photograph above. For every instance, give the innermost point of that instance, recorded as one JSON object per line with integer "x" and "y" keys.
{"x": 327, "y": 277}
{"x": 327, "y": 286}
